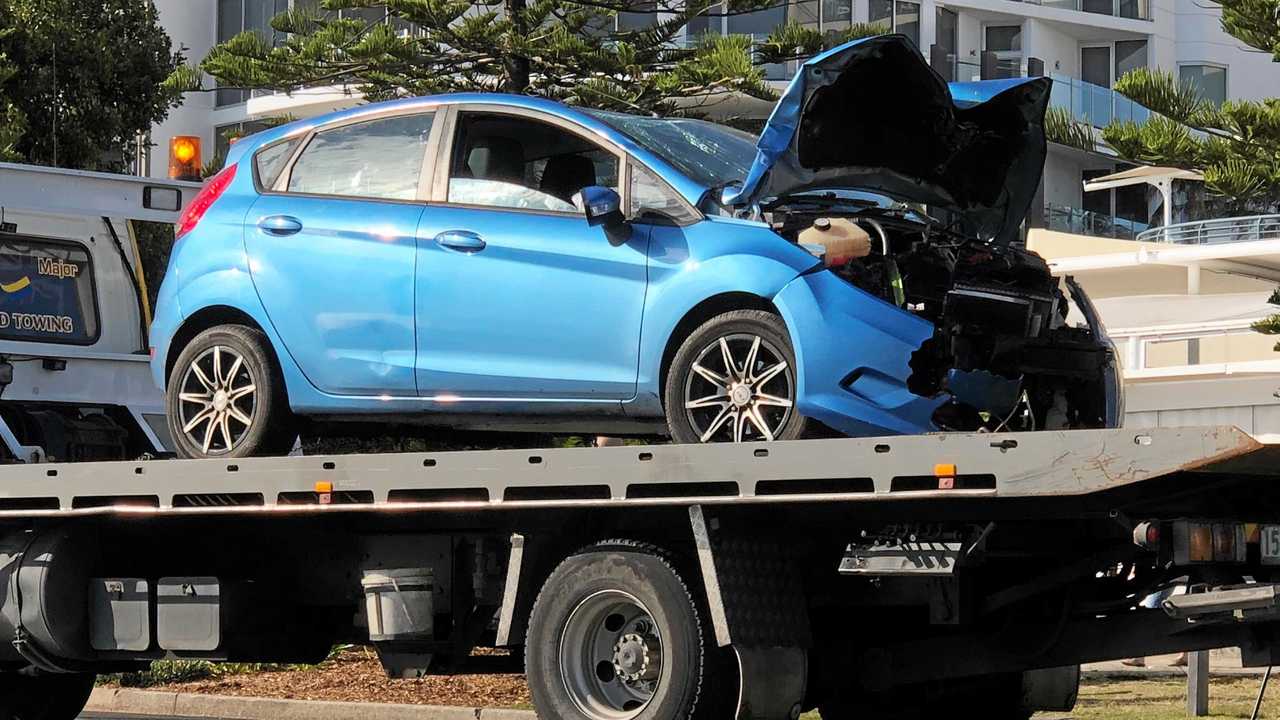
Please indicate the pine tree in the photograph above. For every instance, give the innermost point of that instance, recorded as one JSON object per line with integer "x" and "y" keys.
{"x": 568, "y": 50}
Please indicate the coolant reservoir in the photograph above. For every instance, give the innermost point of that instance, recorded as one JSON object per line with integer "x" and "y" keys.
{"x": 840, "y": 239}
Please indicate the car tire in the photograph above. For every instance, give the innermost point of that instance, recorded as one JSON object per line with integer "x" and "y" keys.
{"x": 44, "y": 697}
{"x": 242, "y": 412}
{"x": 616, "y": 610}
{"x": 706, "y": 403}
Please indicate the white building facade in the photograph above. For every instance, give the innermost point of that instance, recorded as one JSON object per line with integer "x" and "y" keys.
{"x": 1083, "y": 44}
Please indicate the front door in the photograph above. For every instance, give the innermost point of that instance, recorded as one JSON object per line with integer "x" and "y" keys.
{"x": 517, "y": 297}
{"x": 332, "y": 253}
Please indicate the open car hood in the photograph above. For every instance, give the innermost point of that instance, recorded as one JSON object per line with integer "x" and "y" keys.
{"x": 871, "y": 114}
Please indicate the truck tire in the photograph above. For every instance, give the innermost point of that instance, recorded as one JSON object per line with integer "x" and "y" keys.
{"x": 616, "y": 634}
{"x": 44, "y": 697}
{"x": 225, "y": 397}
{"x": 734, "y": 380}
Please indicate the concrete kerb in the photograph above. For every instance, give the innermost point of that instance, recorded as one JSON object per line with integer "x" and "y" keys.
{"x": 190, "y": 705}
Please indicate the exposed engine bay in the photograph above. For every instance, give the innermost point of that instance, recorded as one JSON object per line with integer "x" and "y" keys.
{"x": 1003, "y": 349}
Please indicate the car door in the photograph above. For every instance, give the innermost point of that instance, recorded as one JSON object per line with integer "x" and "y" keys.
{"x": 517, "y": 297}
{"x": 332, "y": 248}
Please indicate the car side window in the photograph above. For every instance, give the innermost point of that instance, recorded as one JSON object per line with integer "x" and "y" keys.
{"x": 379, "y": 159}
{"x": 509, "y": 161}
{"x": 653, "y": 201}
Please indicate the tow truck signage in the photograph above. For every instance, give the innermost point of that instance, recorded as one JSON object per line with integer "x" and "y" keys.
{"x": 46, "y": 292}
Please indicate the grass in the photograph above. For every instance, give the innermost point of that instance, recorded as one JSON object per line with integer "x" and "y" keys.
{"x": 1166, "y": 699}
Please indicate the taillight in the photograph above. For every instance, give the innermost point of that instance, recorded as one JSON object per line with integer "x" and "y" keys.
{"x": 203, "y": 200}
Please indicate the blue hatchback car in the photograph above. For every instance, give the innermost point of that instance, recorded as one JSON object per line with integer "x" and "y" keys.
{"x": 503, "y": 262}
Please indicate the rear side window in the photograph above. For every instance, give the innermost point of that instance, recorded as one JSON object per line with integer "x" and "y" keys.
{"x": 271, "y": 160}
{"x": 379, "y": 159}
{"x": 46, "y": 292}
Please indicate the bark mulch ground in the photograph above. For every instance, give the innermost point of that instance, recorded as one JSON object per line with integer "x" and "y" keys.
{"x": 354, "y": 675}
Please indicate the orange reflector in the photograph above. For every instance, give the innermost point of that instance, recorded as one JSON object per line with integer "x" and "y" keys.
{"x": 946, "y": 474}
{"x": 1252, "y": 533}
{"x": 1200, "y": 543}
{"x": 324, "y": 487}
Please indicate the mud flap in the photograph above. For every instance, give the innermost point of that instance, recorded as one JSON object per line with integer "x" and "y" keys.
{"x": 758, "y": 608}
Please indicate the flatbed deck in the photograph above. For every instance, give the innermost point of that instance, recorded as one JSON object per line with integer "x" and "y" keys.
{"x": 1012, "y": 465}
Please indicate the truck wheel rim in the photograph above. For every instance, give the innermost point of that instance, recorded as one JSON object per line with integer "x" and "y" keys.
{"x": 611, "y": 656}
{"x": 740, "y": 388}
{"x": 216, "y": 400}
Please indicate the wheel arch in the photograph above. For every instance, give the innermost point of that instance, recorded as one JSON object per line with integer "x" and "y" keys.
{"x": 203, "y": 319}
{"x": 699, "y": 314}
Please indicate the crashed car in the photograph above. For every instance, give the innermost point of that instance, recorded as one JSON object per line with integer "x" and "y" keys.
{"x": 485, "y": 261}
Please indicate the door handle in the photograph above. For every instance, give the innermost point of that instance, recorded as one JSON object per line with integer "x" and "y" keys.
{"x": 461, "y": 241}
{"x": 280, "y": 225}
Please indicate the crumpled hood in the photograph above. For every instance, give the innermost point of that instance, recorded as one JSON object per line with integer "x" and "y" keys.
{"x": 871, "y": 114}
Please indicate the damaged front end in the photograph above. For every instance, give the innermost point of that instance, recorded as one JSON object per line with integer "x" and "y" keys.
{"x": 918, "y": 201}
{"x": 1001, "y": 354}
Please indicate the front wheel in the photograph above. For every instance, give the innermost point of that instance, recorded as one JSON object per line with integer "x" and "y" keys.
{"x": 616, "y": 634}
{"x": 225, "y": 397}
{"x": 44, "y": 697}
{"x": 734, "y": 380}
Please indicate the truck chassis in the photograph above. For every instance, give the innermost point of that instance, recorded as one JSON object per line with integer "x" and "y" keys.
{"x": 878, "y": 577}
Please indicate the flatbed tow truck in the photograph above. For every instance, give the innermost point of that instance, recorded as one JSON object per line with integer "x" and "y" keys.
{"x": 873, "y": 577}
{"x": 756, "y": 580}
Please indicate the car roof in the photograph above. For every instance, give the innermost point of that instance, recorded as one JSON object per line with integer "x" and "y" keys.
{"x": 691, "y": 190}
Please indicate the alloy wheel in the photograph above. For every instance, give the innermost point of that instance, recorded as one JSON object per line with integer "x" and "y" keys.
{"x": 740, "y": 388}
{"x": 216, "y": 400}
{"x": 611, "y": 656}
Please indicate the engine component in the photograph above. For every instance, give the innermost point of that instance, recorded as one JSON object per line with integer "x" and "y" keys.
{"x": 836, "y": 240}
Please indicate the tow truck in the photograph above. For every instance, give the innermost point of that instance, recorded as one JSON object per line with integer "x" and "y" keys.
{"x": 74, "y": 313}
{"x": 868, "y": 577}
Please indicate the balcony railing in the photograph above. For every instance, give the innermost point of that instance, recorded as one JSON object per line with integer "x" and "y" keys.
{"x": 1219, "y": 231}
{"x": 1086, "y": 222}
{"x": 1133, "y": 9}
{"x": 1094, "y": 104}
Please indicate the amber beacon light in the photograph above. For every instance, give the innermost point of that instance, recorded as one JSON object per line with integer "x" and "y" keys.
{"x": 184, "y": 158}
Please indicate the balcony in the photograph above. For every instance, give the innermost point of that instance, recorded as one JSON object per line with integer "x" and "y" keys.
{"x": 1131, "y": 9}
{"x": 1219, "y": 231}
{"x": 1093, "y": 104}
{"x": 1086, "y": 222}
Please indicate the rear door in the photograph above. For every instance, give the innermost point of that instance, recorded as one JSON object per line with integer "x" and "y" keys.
{"x": 332, "y": 251}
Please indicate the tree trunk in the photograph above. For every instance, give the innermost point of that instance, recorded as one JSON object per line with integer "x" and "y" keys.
{"x": 517, "y": 66}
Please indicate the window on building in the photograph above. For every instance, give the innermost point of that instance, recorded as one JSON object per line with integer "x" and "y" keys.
{"x": 1006, "y": 42}
{"x": 900, "y": 17}
{"x": 837, "y": 15}
{"x": 1209, "y": 80}
{"x": 710, "y": 21}
{"x": 1004, "y": 38}
{"x": 379, "y": 159}
{"x": 1095, "y": 66}
{"x": 1130, "y": 55}
{"x": 223, "y": 135}
{"x": 1100, "y": 7}
{"x": 237, "y": 16}
{"x": 947, "y": 39}
{"x": 644, "y": 15}
{"x": 906, "y": 20}
{"x": 880, "y": 12}
{"x": 805, "y": 13}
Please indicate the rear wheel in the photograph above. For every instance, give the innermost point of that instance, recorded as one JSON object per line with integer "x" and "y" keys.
{"x": 225, "y": 397}
{"x": 734, "y": 380}
{"x": 615, "y": 633}
{"x": 43, "y": 697}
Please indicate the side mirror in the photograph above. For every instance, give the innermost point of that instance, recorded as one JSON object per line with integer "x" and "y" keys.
{"x": 602, "y": 207}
